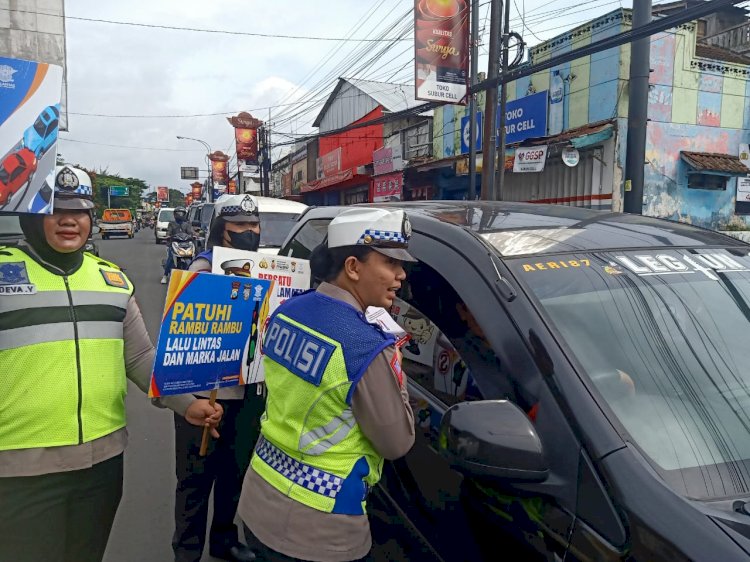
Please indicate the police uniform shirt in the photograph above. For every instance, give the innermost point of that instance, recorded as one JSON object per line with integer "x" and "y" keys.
{"x": 381, "y": 408}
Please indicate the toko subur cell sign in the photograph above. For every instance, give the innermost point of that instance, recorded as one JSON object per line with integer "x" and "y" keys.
{"x": 525, "y": 118}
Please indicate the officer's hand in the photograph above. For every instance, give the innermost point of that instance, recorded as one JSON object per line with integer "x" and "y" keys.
{"x": 201, "y": 413}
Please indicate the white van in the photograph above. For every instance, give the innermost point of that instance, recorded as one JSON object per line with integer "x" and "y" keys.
{"x": 277, "y": 217}
{"x": 165, "y": 216}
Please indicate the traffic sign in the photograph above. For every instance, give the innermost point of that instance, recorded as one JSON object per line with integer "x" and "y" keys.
{"x": 119, "y": 190}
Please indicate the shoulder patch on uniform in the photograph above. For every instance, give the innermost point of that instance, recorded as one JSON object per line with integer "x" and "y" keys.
{"x": 115, "y": 279}
{"x": 397, "y": 370}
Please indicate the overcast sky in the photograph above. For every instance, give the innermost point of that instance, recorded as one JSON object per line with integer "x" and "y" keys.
{"x": 125, "y": 70}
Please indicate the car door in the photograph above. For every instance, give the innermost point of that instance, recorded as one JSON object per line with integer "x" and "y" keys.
{"x": 477, "y": 353}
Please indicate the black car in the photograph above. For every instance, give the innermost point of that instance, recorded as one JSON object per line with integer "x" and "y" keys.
{"x": 580, "y": 382}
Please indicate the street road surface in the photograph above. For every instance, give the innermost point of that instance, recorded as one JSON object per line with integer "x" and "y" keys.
{"x": 145, "y": 520}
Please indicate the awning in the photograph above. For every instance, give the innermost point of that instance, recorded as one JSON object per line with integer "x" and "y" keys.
{"x": 580, "y": 137}
{"x": 339, "y": 180}
{"x": 714, "y": 163}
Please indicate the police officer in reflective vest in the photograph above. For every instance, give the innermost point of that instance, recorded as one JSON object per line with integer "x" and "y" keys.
{"x": 337, "y": 403}
{"x": 70, "y": 334}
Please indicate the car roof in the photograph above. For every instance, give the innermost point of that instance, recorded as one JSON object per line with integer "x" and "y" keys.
{"x": 276, "y": 205}
{"x": 516, "y": 229}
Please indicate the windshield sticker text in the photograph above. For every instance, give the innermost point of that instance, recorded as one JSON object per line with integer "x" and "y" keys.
{"x": 664, "y": 264}
{"x": 562, "y": 264}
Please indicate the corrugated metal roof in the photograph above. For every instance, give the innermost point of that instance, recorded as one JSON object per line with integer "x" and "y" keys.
{"x": 393, "y": 97}
{"x": 715, "y": 162}
{"x": 717, "y": 53}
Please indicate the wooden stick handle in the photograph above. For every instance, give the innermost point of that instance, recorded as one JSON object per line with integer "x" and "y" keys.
{"x": 206, "y": 430}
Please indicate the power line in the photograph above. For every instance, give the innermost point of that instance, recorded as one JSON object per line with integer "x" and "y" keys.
{"x": 130, "y": 146}
{"x": 204, "y": 30}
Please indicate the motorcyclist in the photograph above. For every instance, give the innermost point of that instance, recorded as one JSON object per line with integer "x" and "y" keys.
{"x": 179, "y": 225}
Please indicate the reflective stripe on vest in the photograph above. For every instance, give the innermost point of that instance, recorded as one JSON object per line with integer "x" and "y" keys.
{"x": 312, "y": 450}
{"x": 61, "y": 355}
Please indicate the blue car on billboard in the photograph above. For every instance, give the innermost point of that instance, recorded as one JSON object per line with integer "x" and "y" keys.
{"x": 43, "y": 133}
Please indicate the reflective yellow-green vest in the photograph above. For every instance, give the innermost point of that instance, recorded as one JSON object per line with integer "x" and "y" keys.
{"x": 62, "y": 367}
{"x": 311, "y": 449}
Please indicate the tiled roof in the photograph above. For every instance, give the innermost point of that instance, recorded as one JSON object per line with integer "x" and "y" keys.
{"x": 717, "y": 53}
{"x": 715, "y": 162}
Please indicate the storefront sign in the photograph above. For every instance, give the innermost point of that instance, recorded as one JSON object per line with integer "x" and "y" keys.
{"x": 329, "y": 164}
{"x": 570, "y": 156}
{"x": 441, "y": 45}
{"x": 530, "y": 159}
{"x": 249, "y": 169}
{"x": 387, "y": 187}
{"x": 387, "y": 159}
{"x": 466, "y": 130}
{"x": 742, "y": 203}
{"x": 525, "y": 118}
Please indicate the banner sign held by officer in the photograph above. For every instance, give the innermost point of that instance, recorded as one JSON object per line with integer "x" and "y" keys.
{"x": 290, "y": 276}
{"x": 209, "y": 323}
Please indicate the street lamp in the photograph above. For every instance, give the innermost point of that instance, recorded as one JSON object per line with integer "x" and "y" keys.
{"x": 210, "y": 194}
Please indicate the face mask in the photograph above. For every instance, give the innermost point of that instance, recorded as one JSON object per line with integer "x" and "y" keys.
{"x": 247, "y": 240}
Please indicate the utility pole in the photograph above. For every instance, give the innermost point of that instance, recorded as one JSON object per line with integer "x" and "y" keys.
{"x": 499, "y": 191}
{"x": 268, "y": 144}
{"x": 640, "y": 69}
{"x": 473, "y": 101}
{"x": 490, "y": 106}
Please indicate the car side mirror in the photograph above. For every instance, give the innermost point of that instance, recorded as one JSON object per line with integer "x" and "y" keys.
{"x": 95, "y": 229}
{"x": 492, "y": 438}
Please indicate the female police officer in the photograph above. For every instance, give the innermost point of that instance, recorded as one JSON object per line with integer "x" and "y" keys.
{"x": 70, "y": 334}
{"x": 236, "y": 224}
{"x": 337, "y": 402}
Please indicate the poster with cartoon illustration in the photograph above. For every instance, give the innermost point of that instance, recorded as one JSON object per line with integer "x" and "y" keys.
{"x": 423, "y": 332}
{"x": 208, "y": 325}
{"x": 288, "y": 277}
{"x": 29, "y": 122}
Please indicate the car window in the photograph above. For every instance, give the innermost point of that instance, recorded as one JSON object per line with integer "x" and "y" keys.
{"x": 166, "y": 216}
{"x": 312, "y": 233}
{"x": 40, "y": 128}
{"x": 16, "y": 173}
{"x": 52, "y": 126}
{"x": 275, "y": 227}
{"x": 206, "y": 212}
{"x": 4, "y": 176}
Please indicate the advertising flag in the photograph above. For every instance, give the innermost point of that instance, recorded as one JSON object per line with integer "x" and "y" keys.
{"x": 219, "y": 171}
{"x": 246, "y": 136}
{"x": 441, "y": 50}
{"x": 162, "y": 194}
{"x": 290, "y": 276}
{"x": 29, "y": 123}
{"x": 209, "y": 328}
{"x": 232, "y": 187}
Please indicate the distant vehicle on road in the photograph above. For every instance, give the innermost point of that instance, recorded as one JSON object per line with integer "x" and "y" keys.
{"x": 15, "y": 171}
{"x": 43, "y": 133}
{"x": 165, "y": 216}
{"x": 116, "y": 222}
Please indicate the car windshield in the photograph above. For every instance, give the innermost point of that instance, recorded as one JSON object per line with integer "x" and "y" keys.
{"x": 40, "y": 128}
{"x": 10, "y": 226}
{"x": 663, "y": 337}
{"x": 274, "y": 228}
{"x": 166, "y": 216}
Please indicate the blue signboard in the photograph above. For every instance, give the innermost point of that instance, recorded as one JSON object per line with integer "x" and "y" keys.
{"x": 465, "y": 123}
{"x": 525, "y": 118}
{"x": 118, "y": 190}
{"x": 209, "y": 329}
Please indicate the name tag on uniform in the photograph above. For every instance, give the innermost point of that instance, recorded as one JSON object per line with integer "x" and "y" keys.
{"x": 14, "y": 279}
{"x": 298, "y": 351}
{"x": 115, "y": 279}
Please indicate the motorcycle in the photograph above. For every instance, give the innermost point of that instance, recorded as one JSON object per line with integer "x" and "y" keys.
{"x": 183, "y": 250}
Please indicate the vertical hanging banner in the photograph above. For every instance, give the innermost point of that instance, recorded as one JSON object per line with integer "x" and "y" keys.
{"x": 29, "y": 122}
{"x": 188, "y": 199}
{"x": 246, "y": 136}
{"x": 441, "y": 50}
{"x": 162, "y": 194}
{"x": 219, "y": 167}
{"x": 289, "y": 276}
{"x": 208, "y": 325}
{"x": 197, "y": 188}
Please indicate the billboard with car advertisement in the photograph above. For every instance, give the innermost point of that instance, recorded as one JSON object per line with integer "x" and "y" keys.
{"x": 29, "y": 123}
{"x": 441, "y": 50}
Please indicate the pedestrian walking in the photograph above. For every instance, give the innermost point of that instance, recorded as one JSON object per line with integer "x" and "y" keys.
{"x": 71, "y": 333}
{"x": 236, "y": 224}
{"x": 337, "y": 403}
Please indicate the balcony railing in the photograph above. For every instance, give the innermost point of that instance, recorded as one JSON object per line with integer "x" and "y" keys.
{"x": 736, "y": 39}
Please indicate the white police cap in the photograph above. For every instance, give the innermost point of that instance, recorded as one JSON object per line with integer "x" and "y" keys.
{"x": 72, "y": 189}
{"x": 237, "y": 208}
{"x": 387, "y": 231}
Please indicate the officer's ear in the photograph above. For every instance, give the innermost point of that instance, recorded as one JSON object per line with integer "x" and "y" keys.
{"x": 352, "y": 268}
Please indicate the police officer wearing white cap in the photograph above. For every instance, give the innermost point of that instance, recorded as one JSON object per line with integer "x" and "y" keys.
{"x": 236, "y": 224}
{"x": 337, "y": 404}
{"x": 71, "y": 333}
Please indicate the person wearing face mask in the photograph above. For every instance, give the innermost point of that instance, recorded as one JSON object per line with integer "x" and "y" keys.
{"x": 178, "y": 225}
{"x": 71, "y": 334}
{"x": 236, "y": 224}
{"x": 337, "y": 403}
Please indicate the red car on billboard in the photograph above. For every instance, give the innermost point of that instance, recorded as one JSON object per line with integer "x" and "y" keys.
{"x": 15, "y": 171}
